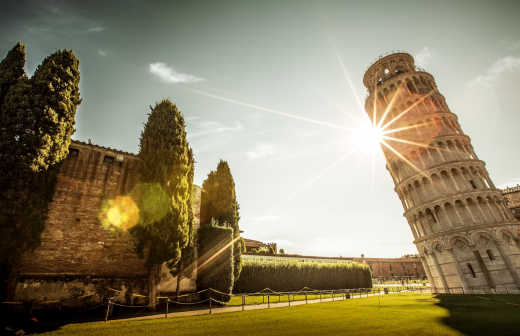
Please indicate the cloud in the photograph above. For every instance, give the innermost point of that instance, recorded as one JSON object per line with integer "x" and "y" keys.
{"x": 261, "y": 151}
{"x": 97, "y": 29}
{"x": 423, "y": 57}
{"x": 102, "y": 52}
{"x": 169, "y": 75}
{"x": 500, "y": 66}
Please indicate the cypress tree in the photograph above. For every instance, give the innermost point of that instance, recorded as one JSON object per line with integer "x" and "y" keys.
{"x": 219, "y": 202}
{"x": 36, "y": 123}
{"x": 165, "y": 163}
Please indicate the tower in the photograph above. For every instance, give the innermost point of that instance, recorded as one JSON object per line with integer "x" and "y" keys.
{"x": 467, "y": 239}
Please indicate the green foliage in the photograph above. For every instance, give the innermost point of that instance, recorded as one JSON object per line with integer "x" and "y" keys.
{"x": 37, "y": 115}
{"x": 282, "y": 251}
{"x": 187, "y": 263}
{"x": 166, "y": 169}
{"x": 289, "y": 275}
{"x": 219, "y": 202}
{"x": 215, "y": 264}
{"x": 36, "y": 123}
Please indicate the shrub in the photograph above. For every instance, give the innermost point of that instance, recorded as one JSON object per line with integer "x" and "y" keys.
{"x": 290, "y": 275}
{"x": 215, "y": 262}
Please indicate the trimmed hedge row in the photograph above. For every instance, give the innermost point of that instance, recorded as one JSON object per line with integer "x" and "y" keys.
{"x": 215, "y": 263}
{"x": 290, "y": 275}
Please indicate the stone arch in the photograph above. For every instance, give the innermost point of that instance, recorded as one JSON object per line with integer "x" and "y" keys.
{"x": 450, "y": 212}
{"x": 459, "y": 242}
{"x": 431, "y": 220}
{"x": 436, "y": 182}
{"x": 462, "y": 211}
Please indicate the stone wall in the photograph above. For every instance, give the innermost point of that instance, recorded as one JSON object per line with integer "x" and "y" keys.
{"x": 512, "y": 197}
{"x": 79, "y": 257}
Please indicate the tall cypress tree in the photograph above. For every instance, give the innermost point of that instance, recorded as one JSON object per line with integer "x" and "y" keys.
{"x": 219, "y": 202}
{"x": 36, "y": 123}
{"x": 166, "y": 165}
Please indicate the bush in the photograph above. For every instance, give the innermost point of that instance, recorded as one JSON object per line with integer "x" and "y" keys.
{"x": 215, "y": 263}
{"x": 290, "y": 275}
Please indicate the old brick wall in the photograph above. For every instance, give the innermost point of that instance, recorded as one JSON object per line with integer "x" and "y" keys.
{"x": 79, "y": 260}
{"x": 395, "y": 267}
{"x": 74, "y": 240}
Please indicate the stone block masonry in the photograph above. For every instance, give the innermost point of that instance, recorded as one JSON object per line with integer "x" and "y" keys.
{"x": 467, "y": 238}
{"x": 79, "y": 258}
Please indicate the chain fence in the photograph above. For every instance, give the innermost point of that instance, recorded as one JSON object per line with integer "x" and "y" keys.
{"x": 267, "y": 297}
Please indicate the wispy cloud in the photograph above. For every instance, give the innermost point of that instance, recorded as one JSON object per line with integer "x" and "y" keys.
{"x": 423, "y": 56}
{"x": 97, "y": 29}
{"x": 213, "y": 127}
{"x": 500, "y": 66}
{"x": 102, "y": 52}
{"x": 170, "y": 75}
{"x": 261, "y": 151}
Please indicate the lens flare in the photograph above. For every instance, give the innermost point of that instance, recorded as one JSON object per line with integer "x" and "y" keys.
{"x": 119, "y": 213}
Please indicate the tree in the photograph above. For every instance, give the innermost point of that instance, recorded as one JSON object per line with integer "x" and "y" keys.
{"x": 219, "y": 202}
{"x": 36, "y": 123}
{"x": 165, "y": 166}
{"x": 282, "y": 251}
{"x": 186, "y": 265}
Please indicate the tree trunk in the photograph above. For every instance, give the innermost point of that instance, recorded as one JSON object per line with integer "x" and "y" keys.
{"x": 178, "y": 287}
{"x": 152, "y": 286}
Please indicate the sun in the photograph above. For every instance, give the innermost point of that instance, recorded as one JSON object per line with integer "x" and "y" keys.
{"x": 367, "y": 137}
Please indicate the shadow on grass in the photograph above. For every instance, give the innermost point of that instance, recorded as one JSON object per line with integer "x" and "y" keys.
{"x": 43, "y": 321}
{"x": 482, "y": 314}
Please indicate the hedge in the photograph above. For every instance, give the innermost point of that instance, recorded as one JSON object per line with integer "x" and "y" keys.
{"x": 215, "y": 263}
{"x": 290, "y": 275}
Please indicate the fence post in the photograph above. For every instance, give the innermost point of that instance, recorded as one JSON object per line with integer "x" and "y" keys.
{"x": 333, "y": 295}
{"x": 289, "y": 299}
{"x": 166, "y": 315}
{"x": 108, "y": 310}
{"x": 306, "y": 298}
{"x": 268, "y": 301}
{"x": 210, "y": 304}
{"x": 320, "y": 296}
{"x": 243, "y": 302}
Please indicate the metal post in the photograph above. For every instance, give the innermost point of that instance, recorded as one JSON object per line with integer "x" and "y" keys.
{"x": 210, "y": 304}
{"x": 243, "y": 302}
{"x": 268, "y": 302}
{"x": 108, "y": 310}
{"x": 320, "y": 296}
{"x": 289, "y": 299}
{"x": 306, "y": 298}
{"x": 166, "y": 315}
{"x": 332, "y": 295}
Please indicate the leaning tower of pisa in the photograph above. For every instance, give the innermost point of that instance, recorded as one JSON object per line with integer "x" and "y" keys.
{"x": 467, "y": 239}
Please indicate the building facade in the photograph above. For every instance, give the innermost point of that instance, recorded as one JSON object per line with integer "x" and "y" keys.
{"x": 466, "y": 237}
{"x": 406, "y": 267}
{"x": 512, "y": 197}
{"x": 80, "y": 261}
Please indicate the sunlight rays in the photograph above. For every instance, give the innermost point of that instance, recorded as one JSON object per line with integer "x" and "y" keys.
{"x": 265, "y": 109}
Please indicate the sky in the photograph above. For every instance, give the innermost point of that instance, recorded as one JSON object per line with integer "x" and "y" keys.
{"x": 261, "y": 85}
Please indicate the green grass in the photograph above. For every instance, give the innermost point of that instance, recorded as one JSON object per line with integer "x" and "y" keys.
{"x": 409, "y": 314}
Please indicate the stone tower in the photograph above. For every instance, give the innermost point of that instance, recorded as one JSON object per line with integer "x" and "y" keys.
{"x": 467, "y": 239}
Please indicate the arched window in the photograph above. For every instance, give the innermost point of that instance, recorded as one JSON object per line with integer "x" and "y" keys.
{"x": 472, "y": 270}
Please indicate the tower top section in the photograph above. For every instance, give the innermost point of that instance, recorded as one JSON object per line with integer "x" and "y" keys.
{"x": 387, "y": 67}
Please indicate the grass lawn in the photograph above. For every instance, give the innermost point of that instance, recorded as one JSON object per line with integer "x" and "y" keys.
{"x": 407, "y": 314}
